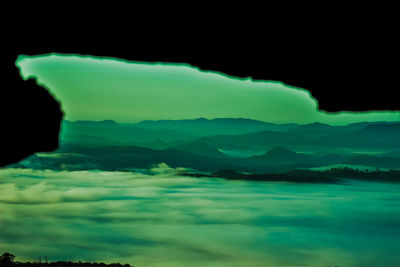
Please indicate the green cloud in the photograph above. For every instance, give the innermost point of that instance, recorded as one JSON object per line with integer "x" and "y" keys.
{"x": 95, "y": 88}
{"x": 164, "y": 220}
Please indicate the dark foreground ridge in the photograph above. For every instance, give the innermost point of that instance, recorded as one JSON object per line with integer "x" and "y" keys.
{"x": 7, "y": 259}
{"x": 332, "y": 175}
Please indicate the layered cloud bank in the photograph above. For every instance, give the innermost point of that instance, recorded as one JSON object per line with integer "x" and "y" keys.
{"x": 95, "y": 88}
{"x": 164, "y": 220}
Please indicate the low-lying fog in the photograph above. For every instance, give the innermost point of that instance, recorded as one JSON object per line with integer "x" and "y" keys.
{"x": 166, "y": 220}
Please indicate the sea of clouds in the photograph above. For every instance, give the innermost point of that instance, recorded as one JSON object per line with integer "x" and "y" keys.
{"x": 168, "y": 220}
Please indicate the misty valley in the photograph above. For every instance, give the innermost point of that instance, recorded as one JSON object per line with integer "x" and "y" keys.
{"x": 164, "y": 164}
{"x": 198, "y": 168}
{"x": 221, "y": 192}
{"x": 241, "y": 145}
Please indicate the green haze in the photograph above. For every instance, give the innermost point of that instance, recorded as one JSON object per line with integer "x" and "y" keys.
{"x": 96, "y": 88}
{"x": 165, "y": 220}
{"x": 123, "y": 191}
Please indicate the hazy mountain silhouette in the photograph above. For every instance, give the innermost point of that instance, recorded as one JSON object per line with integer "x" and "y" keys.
{"x": 379, "y": 136}
{"x": 314, "y": 126}
{"x": 377, "y": 161}
{"x": 218, "y": 126}
{"x": 280, "y": 154}
{"x": 111, "y": 146}
{"x": 236, "y": 134}
{"x": 381, "y": 130}
{"x": 200, "y": 148}
{"x": 114, "y": 133}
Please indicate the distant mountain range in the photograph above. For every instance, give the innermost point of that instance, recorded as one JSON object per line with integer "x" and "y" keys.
{"x": 237, "y": 132}
{"x": 205, "y": 127}
{"x": 377, "y": 137}
{"x": 205, "y": 144}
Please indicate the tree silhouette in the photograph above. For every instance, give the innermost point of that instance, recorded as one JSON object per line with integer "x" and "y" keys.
{"x": 7, "y": 259}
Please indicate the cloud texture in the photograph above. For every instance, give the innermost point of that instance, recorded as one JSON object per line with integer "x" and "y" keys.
{"x": 165, "y": 220}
